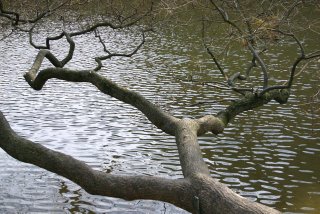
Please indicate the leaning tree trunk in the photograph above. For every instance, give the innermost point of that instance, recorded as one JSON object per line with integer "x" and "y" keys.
{"x": 197, "y": 192}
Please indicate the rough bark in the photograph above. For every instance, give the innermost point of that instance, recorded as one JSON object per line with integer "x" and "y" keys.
{"x": 198, "y": 192}
{"x": 159, "y": 118}
{"x": 93, "y": 181}
{"x": 211, "y": 195}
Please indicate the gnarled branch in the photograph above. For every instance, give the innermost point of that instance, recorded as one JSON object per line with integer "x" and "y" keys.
{"x": 159, "y": 118}
{"x": 93, "y": 181}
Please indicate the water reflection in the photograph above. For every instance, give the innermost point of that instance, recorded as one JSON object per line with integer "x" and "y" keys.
{"x": 270, "y": 155}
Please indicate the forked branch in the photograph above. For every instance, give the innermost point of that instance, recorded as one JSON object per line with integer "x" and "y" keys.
{"x": 110, "y": 55}
{"x": 248, "y": 38}
{"x": 159, "y": 118}
{"x": 54, "y": 61}
{"x": 299, "y": 59}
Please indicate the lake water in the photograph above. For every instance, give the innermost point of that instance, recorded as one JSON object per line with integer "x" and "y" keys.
{"x": 270, "y": 155}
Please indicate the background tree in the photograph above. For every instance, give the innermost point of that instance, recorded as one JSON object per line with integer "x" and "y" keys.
{"x": 254, "y": 26}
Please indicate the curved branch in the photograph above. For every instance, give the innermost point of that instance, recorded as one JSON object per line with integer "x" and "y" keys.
{"x": 47, "y": 54}
{"x": 262, "y": 65}
{"x": 110, "y": 55}
{"x": 93, "y": 181}
{"x": 249, "y": 40}
{"x": 16, "y": 19}
{"x": 8, "y": 14}
{"x": 302, "y": 57}
{"x": 250, "y": 102}
{"x": 159, "y": 118}
{"x": 92, "y": 28}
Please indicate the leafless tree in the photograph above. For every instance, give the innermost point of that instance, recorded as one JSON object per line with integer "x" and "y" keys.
{"x": 197, "y": 192}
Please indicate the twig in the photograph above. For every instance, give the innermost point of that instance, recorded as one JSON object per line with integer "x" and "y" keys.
{"x": 110, "y": 55}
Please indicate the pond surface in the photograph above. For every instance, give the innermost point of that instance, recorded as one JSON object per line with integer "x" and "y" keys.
{"x": 270, "y": 155}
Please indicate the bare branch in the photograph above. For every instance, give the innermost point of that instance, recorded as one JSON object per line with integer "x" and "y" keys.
{"x": 313, "y": 55}
{"x": 191, "y": 159}
{"x": 290, "y": 9}
{"x": 97, "y": 34}
{"x": 262, "y": 65}
{"x": 89, "y": 29}
{"x": 225, "y": 17}
{"x": 246, "y": 20}
{"x": 47, "y": 54}
{"x": 13, "y": 16}
{"x": 159, "y": 118}
{"x": 302, "y": 57}
{"x": 217, "y": 63}
{"x": 302, "y": 52}
{"x": 92, "y": 181}
{"x": 249, "y": 41}
{"x": 110, "y": 55}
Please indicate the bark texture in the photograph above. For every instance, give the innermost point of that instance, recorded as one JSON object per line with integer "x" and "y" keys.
{"x": 197, "y": 192}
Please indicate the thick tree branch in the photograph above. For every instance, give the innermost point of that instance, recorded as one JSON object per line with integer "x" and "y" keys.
{"x": 250, "y": 102}
{"x": 189, "y": 151}
{"x": 186, "y": 131}
{"x": 159, "y": 118}
{"x": 93, "y": 181}
{"x": 198, "y": 192}
{"x": 54, "y": 61}
{"x": 211, "y": 195}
